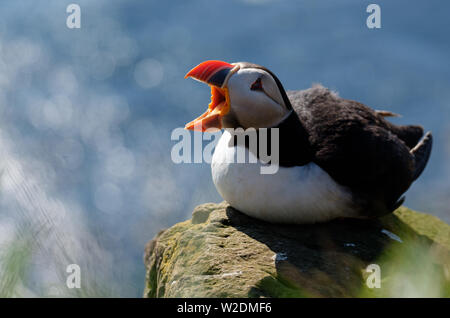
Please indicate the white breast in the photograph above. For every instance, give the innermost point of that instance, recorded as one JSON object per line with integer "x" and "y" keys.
{"x": 304, "y": 194}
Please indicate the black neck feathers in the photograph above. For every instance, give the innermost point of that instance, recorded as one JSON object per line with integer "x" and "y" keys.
{"x": 294, "y": 147}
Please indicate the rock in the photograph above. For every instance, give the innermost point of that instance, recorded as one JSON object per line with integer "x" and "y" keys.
{"x": 224, "y": 253}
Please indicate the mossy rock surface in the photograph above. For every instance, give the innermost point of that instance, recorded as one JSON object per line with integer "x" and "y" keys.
{"x": 224, "y": 253}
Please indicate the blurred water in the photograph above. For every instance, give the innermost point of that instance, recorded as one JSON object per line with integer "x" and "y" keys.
{"x": 86, "y": 114}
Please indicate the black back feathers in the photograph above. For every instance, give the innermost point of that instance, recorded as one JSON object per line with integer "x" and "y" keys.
{"x": 359, "y": 149}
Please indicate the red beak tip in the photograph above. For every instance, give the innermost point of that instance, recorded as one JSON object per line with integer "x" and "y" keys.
{"x": 206, "y": 69}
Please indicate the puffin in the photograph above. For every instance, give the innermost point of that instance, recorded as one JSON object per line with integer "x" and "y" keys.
{"x": 337, "y": 158}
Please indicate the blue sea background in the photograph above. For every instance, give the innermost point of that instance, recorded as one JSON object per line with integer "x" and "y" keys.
{"x": 86, "y": 114}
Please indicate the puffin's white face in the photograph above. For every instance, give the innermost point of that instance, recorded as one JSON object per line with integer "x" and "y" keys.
{"x": 242, "y": 95}
{"x": 255, "y": 100}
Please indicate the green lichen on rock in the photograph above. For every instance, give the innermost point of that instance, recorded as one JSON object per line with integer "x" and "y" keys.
{"x": 224, "y": 253}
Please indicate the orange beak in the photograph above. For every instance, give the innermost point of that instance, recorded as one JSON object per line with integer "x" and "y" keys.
{"x": 215, "y": 74}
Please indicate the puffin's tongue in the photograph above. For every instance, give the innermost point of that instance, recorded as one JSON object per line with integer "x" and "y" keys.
{"x": 217, "y": 108}
{"x": 210, "y": 120}
{"x": 217, "y": 97}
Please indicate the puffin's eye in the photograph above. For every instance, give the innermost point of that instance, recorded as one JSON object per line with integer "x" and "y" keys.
{"x": 257, "y": 85}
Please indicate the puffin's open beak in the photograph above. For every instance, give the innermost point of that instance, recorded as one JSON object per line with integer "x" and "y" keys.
{"x": 215, "y": 74}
